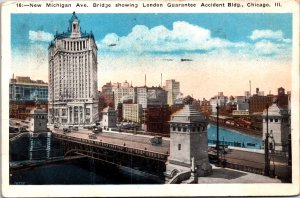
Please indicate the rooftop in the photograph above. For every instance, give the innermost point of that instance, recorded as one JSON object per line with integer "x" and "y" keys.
{"x": 26, "y": 80}
{"x": 187, "y": 114}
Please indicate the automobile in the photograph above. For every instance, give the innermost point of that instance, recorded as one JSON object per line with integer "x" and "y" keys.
{"x": 97, "y": 130}
{"x": 92, "y": 136}
{"x": 75, "y": 128}
{"x": 66, "y": 130}
{"x": 156, "y": 140}
{"x": 56, "y": 127}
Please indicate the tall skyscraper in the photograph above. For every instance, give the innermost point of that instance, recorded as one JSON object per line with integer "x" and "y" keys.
{"x": 73, "y": 92}
{"x": 173, "y": 88}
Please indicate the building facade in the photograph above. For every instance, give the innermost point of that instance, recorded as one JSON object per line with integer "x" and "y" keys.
{"x": 73, "y": 92}
{"x": 173, "y": 89}
{"x": 132, "y": 112}
{"x": 108, "y": 94}
{"x": 155, "y": 119}
{"x": 151, "y": 96}
{"x": 141, "y": 96}
{"x": 258, "y": 103}
{"x": 109, "y": 118}
{"x": 23, "y": 93}
{"x": 24, "y": 89}
{"x": 220, "y": 99}
{"x": 124, "y": 93}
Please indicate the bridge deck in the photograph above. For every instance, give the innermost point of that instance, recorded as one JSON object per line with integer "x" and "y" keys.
{"x": 141, "y": 142}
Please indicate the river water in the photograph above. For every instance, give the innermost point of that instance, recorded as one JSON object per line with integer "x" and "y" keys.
{"x": 89, "y": 171}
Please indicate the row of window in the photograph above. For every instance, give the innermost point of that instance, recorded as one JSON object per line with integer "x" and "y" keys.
{"x": 63, "y": 112}
{"x": 272, "y": 120}
{"x": 39, "y": 116}
{"x": 74, "y": 45}
{"x": 193, "y": 129}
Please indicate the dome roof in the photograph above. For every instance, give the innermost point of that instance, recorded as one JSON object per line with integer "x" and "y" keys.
{"x": 187, "y": 114}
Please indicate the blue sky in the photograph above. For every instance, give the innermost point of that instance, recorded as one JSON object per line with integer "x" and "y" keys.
{"x": 215, "y": 42}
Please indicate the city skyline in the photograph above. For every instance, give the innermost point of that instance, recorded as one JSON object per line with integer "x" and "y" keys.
{"x": 206, "y": 57}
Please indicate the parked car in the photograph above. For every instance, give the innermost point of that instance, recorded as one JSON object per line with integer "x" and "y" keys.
{"x": 156, "y": 140}
{"x": 97, "y": 130}
{"x": 66, "y": 130}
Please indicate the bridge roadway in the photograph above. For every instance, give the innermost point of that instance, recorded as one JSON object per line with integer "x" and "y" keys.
{"x": 129, "y": 141}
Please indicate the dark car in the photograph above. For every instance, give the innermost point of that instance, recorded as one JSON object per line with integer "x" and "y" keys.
{"x": 156, "y": 140}
{"x": 97, "y": 130}
{"x": 67, "y": 130}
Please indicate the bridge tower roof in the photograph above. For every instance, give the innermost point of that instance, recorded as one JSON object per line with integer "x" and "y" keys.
{"x": 188, "y": 114}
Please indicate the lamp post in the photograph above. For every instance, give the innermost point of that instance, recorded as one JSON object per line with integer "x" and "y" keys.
{"x": 267, "y": 161}
{"x": 217, "y": 143}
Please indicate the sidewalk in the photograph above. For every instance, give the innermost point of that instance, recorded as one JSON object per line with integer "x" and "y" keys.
{"x": 225, "y": 175}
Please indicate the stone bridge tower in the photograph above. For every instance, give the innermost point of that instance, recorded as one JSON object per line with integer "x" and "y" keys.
{"x": 188, "y": 139}
{"x": 278, "y": 127}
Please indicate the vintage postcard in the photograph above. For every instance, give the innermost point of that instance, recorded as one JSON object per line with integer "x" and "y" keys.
{"x": 149, "y": 98}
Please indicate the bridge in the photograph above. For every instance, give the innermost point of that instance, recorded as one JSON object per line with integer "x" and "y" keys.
{"x": 122, "y": 149}
{"x": 137, "y": 152}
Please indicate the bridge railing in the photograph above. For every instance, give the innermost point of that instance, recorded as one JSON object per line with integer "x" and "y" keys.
{"x": 122, "y": 148}
{"x": 145, "y": 133}
{"x": 235, "y": 144}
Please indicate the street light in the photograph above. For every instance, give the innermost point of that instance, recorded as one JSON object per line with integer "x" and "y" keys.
{"x": 267, "y": 161}
{"x": 217, "y": 143}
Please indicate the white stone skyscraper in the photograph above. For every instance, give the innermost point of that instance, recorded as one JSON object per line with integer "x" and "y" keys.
{"x": 73, "y": 92}
{"x": 173, "y": 88}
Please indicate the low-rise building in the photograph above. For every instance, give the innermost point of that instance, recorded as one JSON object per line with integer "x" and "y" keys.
{"x": 151, "y": 96}
{"x": 24, "y": 89}
{"x": 109, "y": 118}
{"x": 23, "y": 92}
{"x": 220, "y": 99}
{"x": 123, "y": 93}
{"x": 258, "y": 103}
{"x": 155, "y": 119}
{"x": 132, "y": 112}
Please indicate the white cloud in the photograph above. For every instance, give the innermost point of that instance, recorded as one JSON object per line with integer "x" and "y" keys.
{"x": 266, "y": 48}
{"x": 183, "y": 37}
{"x": 187, "y": 39}
{"x": 266, "y": 34}
{"x": 40, "y": 36}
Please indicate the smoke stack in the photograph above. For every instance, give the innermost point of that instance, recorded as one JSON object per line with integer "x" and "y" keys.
{"x": 161, "y": 79}
{"x": 145, "y": 80}
{"x": 257, "y": 90}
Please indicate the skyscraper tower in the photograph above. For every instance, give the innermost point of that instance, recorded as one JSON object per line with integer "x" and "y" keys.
{"x": 73, "y": 95}
{"x": 173, "y": 88}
